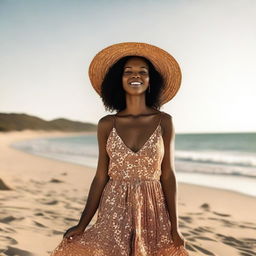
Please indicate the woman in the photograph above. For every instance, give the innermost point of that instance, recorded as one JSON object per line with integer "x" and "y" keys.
{"x": 134, "y": 188}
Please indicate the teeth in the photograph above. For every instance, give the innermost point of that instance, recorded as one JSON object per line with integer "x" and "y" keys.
{"x": 135, "y": 83}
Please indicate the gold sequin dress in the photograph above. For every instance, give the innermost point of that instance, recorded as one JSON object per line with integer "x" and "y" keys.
{"x": 132, "y": 216}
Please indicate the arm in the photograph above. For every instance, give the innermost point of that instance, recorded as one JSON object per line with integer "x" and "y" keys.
{"x": 168, "y": 179}
{"x": 101, "y": 177}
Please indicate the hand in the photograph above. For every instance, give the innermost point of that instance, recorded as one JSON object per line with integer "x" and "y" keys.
{"x": 178, "y": 239}
{"x": 72, "y": 232}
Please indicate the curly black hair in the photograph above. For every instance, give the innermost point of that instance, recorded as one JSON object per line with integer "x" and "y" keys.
{"x": 113, "y": 94}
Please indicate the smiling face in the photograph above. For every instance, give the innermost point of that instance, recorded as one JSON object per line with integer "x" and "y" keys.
{"x": 135, "y": 76}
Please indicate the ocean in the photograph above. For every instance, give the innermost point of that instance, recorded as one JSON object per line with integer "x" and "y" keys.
{"x": 219, "y": 160}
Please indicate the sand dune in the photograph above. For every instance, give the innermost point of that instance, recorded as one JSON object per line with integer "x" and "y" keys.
{"x": 41, "y": 198}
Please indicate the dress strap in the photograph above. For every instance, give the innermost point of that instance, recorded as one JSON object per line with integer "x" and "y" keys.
{"x": 114, "y": 121}
{"x": 160, "y": 119}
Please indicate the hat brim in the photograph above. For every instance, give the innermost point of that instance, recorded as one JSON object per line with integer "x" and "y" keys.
{"x": 163, "y": 62}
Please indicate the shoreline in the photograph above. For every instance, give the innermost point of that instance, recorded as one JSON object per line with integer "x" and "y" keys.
{"x": 46, "y": 191}
{"x": 184, "y": 175}
{"x": 236, "y": 183}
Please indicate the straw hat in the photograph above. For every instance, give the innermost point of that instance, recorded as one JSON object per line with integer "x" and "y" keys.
{"x": 163, "y": 62}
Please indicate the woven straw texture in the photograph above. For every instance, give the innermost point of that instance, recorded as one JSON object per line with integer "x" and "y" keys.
{"x": 164, "y": 63}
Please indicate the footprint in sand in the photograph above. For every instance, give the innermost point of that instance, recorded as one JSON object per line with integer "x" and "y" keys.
{"x": 7, "y": 219}
{"x": 56, "y": 181}
{"x": 204, "y": 229}
{"x": 56, "y": 232}
{"x": 39, "y": 224}
{"x": 244, "y": 226}
{"x": 194, "y": 213}
{"x": 194, "y": 232}
{"x": 38, "y": 214}
{"x": 52, "y": 202}
{"x": 190, "y": 248}
{"x": 221, "y": 214}
{"x": 228, "y": 223}
{"x": 190, "y": 239}
{"x": 195, "y": 248}
{"x": 205, "y": 238}
{"x": 186, "y": 219}
{"x": 205, "y": 207}
{"x": 70, "y": 219}
{"x": 246, "y": 246}
{"x": 202, "y": 250}
{"x": 3, "y": 186}
{"x": 10, "y": 219}
{"x": 13, "y": 251}
{"x": 8, "y": 240}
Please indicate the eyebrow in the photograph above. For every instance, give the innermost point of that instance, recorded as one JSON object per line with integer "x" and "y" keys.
{"x": 141, "y": 67}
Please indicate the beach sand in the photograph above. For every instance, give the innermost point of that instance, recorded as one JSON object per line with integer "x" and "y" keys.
{"x": 47, "y": 196}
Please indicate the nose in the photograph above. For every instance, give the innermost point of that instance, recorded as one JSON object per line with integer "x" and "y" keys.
{"x": 135, "y": 74}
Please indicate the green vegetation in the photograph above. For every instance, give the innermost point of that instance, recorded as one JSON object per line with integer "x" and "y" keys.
{"x": 19, "y": 122}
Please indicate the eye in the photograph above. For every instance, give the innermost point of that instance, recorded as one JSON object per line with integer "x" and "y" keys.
{"x": 144, "y": 73}
{"x": 127, "y": 72}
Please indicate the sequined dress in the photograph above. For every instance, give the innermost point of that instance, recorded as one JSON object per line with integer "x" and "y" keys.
{"x": 132, "y": 216}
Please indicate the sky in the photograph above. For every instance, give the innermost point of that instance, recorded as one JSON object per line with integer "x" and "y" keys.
{"x": 46, "y": 47}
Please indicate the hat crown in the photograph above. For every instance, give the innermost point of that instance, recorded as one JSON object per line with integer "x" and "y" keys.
{"x": 164, "y": 63}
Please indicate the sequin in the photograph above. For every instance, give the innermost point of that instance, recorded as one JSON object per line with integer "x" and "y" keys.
{"x": 132, "y": 216}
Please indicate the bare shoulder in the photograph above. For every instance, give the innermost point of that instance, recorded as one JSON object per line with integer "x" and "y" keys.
{"x": 105, "y": 124}
{"x": 166, "y": 122}
{"x": 166, "y": 115}
{"x": 106, "y": 120}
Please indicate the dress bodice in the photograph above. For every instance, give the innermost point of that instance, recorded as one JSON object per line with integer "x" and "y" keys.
{"x": 133, "y": 218}
{"x": 145, "y": 164}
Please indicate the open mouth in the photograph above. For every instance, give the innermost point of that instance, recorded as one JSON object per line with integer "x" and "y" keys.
{"x": 135, "y": 84}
